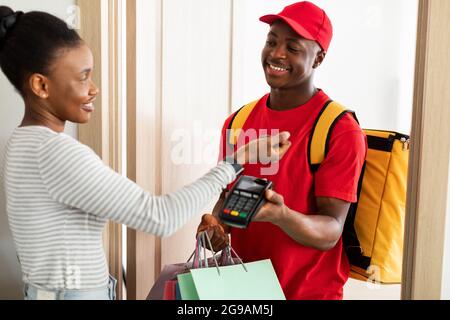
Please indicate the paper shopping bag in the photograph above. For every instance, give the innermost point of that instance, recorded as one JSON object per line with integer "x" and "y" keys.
{"x": 170, "y": 290}
{"x": 177, "y": 292}
{"x": 187, "y": 287}
{"x": 169, "y": 273}
{"x": 257, "y": 281}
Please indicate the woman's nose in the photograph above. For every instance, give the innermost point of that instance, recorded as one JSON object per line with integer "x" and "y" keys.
{"x": 94, "y": 90}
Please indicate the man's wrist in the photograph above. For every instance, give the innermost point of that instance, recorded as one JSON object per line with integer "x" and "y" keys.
{"x": 282, "y": 217}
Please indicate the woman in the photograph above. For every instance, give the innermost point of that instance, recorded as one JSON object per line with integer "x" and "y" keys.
{"x": 59, "y": 193}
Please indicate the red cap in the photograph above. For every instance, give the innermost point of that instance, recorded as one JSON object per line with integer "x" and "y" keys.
{"x": 308, "y": 20}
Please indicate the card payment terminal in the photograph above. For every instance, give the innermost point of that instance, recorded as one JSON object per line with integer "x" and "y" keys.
{"x": 244, "y": 200}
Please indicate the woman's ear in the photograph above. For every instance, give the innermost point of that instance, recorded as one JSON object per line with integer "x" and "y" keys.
{"x": 319, "y": 59}
{"x": 39, "y": 85}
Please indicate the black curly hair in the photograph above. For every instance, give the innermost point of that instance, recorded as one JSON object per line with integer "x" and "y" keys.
{"x": 29, "y": 43}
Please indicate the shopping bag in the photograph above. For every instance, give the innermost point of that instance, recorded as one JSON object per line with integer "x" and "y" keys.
{"x": 187, "y": 287}
{"x": 170, "y": 272}
{"x": 170, "y": 290}
{"x": 177, "y": 291}
{"x": 228, "y": 278}
{"x": 257, "y": 281}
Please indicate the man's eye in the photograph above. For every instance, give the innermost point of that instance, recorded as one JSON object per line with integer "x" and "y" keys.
{"x": 270, "y": 43}
{"x": 292, "y": 49}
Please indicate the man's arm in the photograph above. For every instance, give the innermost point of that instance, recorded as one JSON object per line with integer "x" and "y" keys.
{"x": 321, "y": 231}
{"x": 335, "y": 188}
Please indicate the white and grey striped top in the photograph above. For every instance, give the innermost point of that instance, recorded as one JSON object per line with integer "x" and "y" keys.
{"x": 60, "y": 195}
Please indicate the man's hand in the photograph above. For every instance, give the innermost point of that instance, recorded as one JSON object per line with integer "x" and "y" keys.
{"x": 273, "y": 210}
{"x": 266, "y": 149}
{"x": 217, "y": 232}
{"x": 320, "y": 231}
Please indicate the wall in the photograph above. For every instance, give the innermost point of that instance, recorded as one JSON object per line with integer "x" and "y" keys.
{"x": 11, "y": 113}
{"x": 195, "y": 100}
{"x": 369, "y": 66}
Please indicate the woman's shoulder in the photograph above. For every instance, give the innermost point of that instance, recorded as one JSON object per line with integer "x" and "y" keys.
{"x": 36, "y": 144}
{"x": 45, "y": 143}
{"x": 26, "y": 140}
{"x": 62, "y": 143}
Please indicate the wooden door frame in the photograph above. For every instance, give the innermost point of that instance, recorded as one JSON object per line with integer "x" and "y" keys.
{"x": 429, "y": 158}
{"x": 144, "y": 96}
{"x": 99, "y": 27}
{"x": 103, "y": 132}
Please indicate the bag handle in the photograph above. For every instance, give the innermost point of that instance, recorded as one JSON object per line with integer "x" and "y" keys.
{"x": 200, "y": 262}
{"x": 226, "y": 258}
{"x": 237, "y": 256}
{"x": 203, "y": 263}
{"x": 195, "y": 256}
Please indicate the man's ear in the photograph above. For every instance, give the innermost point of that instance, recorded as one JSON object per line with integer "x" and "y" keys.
{"x": 319, "y": 59}
{"x": 39, "y": 85}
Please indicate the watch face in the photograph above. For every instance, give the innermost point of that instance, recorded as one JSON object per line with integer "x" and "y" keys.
{"x": 238, "y": 168}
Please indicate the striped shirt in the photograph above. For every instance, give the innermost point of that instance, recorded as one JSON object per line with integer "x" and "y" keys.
{"x": 60, "y": 195}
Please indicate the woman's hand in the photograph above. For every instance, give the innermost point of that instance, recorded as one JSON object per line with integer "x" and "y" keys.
{"x": 273, "y": 210}
{"x": 217, "y": 232}
{"x": 265, "y": 150}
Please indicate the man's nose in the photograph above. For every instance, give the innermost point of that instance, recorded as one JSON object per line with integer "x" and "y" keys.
{"x": 278, "y": 52}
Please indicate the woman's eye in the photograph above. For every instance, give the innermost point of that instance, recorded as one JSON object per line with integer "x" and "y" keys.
{"x": 270, "y": 43}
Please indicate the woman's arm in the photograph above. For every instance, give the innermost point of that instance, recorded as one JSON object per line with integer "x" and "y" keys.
{"x": 75, "y": 176}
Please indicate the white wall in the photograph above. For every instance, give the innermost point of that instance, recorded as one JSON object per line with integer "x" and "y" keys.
{"x": 195, "y": 100}
{"x": 11, "y": 113}
{"x": 369, "y": 68}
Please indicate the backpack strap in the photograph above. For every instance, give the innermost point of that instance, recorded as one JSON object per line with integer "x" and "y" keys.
{"x": 237, "y": 123}
{"x": 319, "y": 141}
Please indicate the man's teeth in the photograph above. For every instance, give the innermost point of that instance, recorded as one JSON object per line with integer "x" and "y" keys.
{"x": 277, "y": 68}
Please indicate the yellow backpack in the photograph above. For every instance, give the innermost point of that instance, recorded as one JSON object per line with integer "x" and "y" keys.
{"x": 373, "y": 232}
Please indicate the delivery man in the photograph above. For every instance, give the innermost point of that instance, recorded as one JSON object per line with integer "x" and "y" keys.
{"x": 300, "y": 228}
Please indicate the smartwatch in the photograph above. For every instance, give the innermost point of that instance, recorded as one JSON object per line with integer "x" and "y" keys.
{"x": 238, "y": 168}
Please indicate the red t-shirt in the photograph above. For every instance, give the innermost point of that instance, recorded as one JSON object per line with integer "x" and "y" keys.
{"x": 304, "y": 272}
